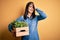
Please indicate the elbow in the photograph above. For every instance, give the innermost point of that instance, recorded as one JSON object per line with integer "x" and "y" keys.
{"x": 10, "y": 27}
{"x": 44, "y": 17}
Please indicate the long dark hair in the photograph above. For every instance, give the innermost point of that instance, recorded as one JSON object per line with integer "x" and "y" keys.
{"x": 26, "y": 10}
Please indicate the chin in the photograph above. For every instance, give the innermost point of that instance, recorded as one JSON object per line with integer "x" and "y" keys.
{"x": 31, "y": 12}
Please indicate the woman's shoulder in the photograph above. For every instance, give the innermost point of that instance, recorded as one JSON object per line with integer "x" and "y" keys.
{"x": 20, "y": 18}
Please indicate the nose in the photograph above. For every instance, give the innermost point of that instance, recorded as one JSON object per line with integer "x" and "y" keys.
{"x": 31, "y": 8}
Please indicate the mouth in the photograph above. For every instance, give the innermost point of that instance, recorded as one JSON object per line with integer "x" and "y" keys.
{"x": 31, "y": 9}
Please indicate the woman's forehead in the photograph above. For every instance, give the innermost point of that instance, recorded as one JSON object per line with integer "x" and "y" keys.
{"x": 31, "y": 5}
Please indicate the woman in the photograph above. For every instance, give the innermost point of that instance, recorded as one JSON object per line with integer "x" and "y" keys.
{"x": 32, "y": 21}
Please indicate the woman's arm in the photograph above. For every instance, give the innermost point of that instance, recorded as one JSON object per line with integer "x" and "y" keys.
{"x": 10, "y": 27}
{"x": 41, "y": 15}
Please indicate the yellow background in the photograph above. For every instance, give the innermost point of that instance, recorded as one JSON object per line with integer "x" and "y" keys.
{"x": 48, "y": 29}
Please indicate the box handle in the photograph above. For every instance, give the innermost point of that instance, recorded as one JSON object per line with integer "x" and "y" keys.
{"x": 22, "y": 30}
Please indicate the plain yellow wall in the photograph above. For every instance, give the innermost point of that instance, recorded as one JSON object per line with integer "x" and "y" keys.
{"x": 48, "y": 29}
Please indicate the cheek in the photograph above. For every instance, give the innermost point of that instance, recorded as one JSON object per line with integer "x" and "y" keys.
{"x": 31, "y": 9}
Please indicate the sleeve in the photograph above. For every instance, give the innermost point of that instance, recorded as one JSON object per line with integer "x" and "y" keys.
{"x": 20, "y": 18}
{"x": 10, "y": 25}
{"x": 41, "y": 15}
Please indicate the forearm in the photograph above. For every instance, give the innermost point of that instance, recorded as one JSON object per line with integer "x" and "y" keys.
{"x": 41, "y": 15}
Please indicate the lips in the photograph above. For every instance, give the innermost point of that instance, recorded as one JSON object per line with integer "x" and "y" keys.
{"x": 31, "y": 9}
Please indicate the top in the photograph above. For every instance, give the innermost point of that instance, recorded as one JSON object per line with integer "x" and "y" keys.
{"x": 33, "y": 33}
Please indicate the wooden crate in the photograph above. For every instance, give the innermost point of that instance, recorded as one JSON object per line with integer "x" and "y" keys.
{"x": 22, "y": 31}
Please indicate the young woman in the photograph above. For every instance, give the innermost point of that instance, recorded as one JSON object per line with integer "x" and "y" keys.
{"x": 32, "y": 20}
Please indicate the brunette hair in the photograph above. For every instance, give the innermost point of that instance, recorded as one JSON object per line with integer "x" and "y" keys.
{"x": 26, "y": 10}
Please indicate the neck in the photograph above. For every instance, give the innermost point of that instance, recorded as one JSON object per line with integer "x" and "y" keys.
{"x": 29, "y": 15}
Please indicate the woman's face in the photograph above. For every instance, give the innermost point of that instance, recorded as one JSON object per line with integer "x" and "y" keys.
{"x": 30, "y": 8}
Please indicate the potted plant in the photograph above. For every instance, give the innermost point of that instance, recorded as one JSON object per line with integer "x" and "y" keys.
{"x": 21, "y": 28}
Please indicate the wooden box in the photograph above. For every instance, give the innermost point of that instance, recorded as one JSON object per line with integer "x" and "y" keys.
{"x": 22, "y": 31}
